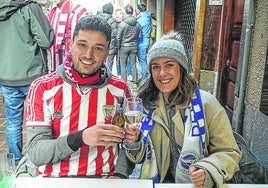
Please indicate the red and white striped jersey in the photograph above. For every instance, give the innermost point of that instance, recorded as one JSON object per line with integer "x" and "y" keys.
{"x": 68, "y": 109}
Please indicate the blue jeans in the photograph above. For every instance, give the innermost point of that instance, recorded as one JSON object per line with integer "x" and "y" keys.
{"x": 142, "y": 55}
{"x": 125, "y": 53}
{"x": 118, "y": 68}
{"x": 14, "y": 98}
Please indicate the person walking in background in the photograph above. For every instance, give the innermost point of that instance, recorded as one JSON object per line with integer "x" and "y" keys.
{"x": 67, "y": 132}
{"x": 63, "y": 16}
{"x": 107, "y": 13}
{"x": 144, "y": 18}
{"x": 119, "y": 15}
{"x": 25, "y": 37}
{"x": 128, "y": 33}
{"x": 191, "y": 135}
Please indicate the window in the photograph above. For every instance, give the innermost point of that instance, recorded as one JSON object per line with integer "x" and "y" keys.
{"x": 264, "y": 96}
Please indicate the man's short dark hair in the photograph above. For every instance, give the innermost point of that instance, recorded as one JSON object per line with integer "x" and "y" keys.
{"x": 93, "y": 23}
{"x": 141, "y": 7}
{"x": 129, "y": 9}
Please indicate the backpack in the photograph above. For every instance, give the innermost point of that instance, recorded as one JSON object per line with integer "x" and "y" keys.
{"x": 251, "y": 169}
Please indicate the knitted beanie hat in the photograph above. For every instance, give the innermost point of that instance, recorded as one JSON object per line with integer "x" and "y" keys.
{"x": 169, "y": 48}
{"x": 108, "y": 8}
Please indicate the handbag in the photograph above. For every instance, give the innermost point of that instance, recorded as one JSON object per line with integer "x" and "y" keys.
{"x": 251, "y": 169}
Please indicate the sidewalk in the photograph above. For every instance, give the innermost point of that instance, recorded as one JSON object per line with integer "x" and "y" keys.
{"x": 2, "y": 125}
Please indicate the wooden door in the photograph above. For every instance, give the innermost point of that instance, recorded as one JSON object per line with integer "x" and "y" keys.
{"x": 232, "y": 18}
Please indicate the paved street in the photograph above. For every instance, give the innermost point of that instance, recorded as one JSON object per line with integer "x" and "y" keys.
{"x": 2, "y": 125}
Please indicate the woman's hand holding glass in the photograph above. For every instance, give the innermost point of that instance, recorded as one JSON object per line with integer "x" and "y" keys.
{"x": 133, "y": 114}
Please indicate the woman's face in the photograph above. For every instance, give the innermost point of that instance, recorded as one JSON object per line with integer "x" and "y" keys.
{"x": 166, "y": 75}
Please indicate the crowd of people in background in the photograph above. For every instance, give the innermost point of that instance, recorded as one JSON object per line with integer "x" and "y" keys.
{"x": 128, "y": 53}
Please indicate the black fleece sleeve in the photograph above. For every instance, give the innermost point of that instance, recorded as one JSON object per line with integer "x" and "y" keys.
{"x": 75, "y": 140}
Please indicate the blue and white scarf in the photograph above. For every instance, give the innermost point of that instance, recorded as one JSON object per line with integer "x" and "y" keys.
{"x": 193, "y": 148}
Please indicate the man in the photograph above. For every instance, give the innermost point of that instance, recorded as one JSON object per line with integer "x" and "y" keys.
{"x": 107, "y": 13}
{"x": 63, "y": 16}
{"x": 127, "y": 35}
{"x": 119, "y": 14}
{"x": 25, "y": 37}
{"x": 144, "y": 18}
{"x": 67, "y": 132}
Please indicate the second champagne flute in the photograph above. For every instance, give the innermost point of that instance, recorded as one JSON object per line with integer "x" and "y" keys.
{"x": 133, "y": 115}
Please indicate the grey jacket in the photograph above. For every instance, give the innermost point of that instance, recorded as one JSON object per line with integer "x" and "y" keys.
{"x": 128, "y": 32}
{"x": 114, "y": 26}
{"x": 25, "y": 37}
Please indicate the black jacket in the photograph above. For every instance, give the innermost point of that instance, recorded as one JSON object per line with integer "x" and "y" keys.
{"x": 114, "y": 25}
{"x": 128, "y": 32}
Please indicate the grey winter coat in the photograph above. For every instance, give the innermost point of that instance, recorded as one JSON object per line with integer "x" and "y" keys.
{"x": 128, "y": 32}
{"x": 114, "y": 26}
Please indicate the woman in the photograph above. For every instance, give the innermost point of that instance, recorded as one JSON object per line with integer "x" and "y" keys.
{"x": 190, "y": 131}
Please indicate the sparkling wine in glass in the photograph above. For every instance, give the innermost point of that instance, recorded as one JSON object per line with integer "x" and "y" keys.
{"x": 133, "y": 116}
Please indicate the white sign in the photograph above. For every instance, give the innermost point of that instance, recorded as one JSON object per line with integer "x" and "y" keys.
{"x": 215, "y": 2}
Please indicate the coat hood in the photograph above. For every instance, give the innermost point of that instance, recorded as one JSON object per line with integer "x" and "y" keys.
{"x": 9, "y": 7}
{"x": 130, "y": 20}
{"x": 146, "y": 14}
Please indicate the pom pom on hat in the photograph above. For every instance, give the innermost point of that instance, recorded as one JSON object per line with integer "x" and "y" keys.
{"x": 170, "y": 49}
{"x": 108, "y": 8}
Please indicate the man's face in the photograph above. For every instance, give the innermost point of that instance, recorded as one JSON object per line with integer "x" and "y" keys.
{"x": 89, "y": 49}
{"x": 119, "y": 14}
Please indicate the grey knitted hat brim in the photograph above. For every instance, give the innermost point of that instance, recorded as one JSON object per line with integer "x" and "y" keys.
{"x": 172, "y": 49}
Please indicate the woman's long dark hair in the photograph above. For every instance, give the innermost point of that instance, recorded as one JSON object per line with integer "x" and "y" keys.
{"x": 181, "y": 95}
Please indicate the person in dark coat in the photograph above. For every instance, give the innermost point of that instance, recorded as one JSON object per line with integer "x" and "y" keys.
{"x": 128, "y": 33}
{"x": 107, "y": 13}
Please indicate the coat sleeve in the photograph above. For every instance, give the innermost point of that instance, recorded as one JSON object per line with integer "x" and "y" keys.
{"x": 40, "y": 27}
{"x": 222, "y": 152}
{"x": 119, "y": 34}
{"x": 123, "y": 166}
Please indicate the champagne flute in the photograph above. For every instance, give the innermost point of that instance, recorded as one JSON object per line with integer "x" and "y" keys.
{"x": 133, "y": 116}
{"x": 7, "y": 170}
